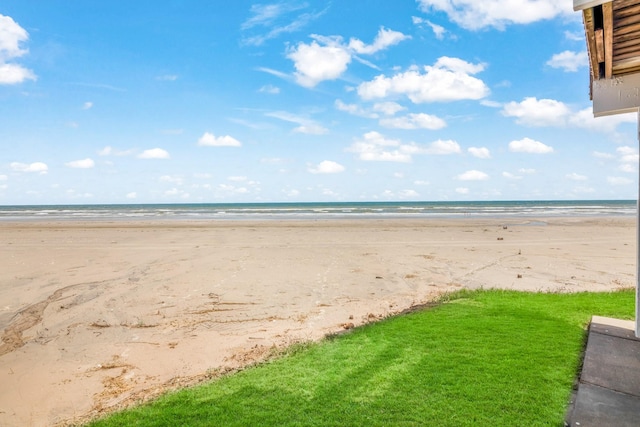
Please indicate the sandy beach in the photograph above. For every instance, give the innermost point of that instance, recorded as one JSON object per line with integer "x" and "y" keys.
{"x": 98, "y": 315}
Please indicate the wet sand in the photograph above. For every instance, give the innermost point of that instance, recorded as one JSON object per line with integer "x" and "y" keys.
{"x": 97, "y": 315}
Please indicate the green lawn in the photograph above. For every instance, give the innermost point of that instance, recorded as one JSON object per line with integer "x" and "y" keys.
{"x": 482, "y": 358}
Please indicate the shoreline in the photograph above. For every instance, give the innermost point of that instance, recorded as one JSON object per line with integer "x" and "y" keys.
{"x": 400, "y": 220}
{"x": 103, "y": 312}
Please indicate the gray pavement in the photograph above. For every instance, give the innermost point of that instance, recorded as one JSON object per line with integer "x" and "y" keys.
{"x": 609, "y": 388}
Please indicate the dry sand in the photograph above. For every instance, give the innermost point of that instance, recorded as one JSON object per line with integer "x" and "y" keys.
{"x": 94, "y": 316}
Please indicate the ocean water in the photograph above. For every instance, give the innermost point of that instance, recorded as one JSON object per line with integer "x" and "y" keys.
{"x": 311, "y": 211}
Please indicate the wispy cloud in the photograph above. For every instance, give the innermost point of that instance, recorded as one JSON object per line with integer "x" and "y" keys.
{"x": 268, "y": 21}
{"x": 306, "y": 125}
{"x": 167, "y": 78}
{"x": 99, "y": 86}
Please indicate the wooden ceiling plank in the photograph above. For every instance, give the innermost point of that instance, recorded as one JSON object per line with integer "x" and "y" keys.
{"x": 632, "y": 43}
{"x": 621, "y": 4}
{"x": 625, "y": 38}
{"x": 620, "y": 55}
{"x": 626, "y": 21}
{"x": 587, "y": 16}
{"x": 625, "y": 53}
{"x": 619, "y": 13}
{"x": 599, "y": 34}
{"x": 607, "y": 13}
{"x": 628, "y": 29}
{"x": 626, "y": 66}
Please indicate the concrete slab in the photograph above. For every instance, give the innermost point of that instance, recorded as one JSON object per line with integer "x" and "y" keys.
{"x": 599, "y": 407}
{"x": 609, "y": 389}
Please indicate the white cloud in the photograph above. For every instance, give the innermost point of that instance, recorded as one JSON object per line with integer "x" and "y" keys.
{"x": 604, "y": 156}
{"x": 438, "y": 30}
{"x": 584, "y": 119}
{"x": 3, "y": 177}
{"x": 549, "y": 112}
{"x": 73, "y": 193}
{"x": 81, "y": 164}
{"x": 109, "y": 151}
{"x": 473, "y": 175}
{"x": 171, "y": 179}
{"x": 315, "y": 63}
{"x": 509, "y": 175}
{"x": 11, "y": 36}
{"x": 233, "y": 189}
{"x": 569, "y": 61}
{"x": 385, "y": 108}
{"x": 459, "y": 65}
{"x": 87, "y": 105}
{"x": 176, "y": 192}
{"x": 354, "y": 109}
{"x": 327, "y": 167}
{"x": 629, "y": 168}
{"x": 154, "y": 153}
{"x": 407, "y": 194}
{"x": 388, "y": 108}
{"x": 291, "y": 192}
{"x": 421, "y": 182}
{"x": 441, "y": 147}
{"x": 528, "y": 145}
{"x": 618, "y": 180}
{"x": 629, "y": 153}
{"x": 577, "y": 36}
{"x": 475, "y": 15}
{"x": 202, "y": 175}
{"x": 269, "y": 89}
{"x": 491, "y": 104}
{"x": 132, "y": 195}
{"x": 383, "y": 40}
{"x": 527, "y": 171}
{"x": 210, "y": 140}
{"x": 311, "y": 129}
{"x": 628, "y": 158}
{"x": 414, "y": 121}
{"x": 480, "y": 152}
{"x": 375, "y": 147}
{"x": 576, "y": 177}
{"x": 37, "y": 167}
{"x": 106, "y": 151}
{"x": 462, "y": 190}
{"x": 449, "y": 79}
{"x": 13, "y": 74}
{"x": 327, "y": 57}
{"x": 534, "y": 112}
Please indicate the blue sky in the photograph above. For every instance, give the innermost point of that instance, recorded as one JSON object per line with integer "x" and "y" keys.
{"x": 343, "y": 100}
